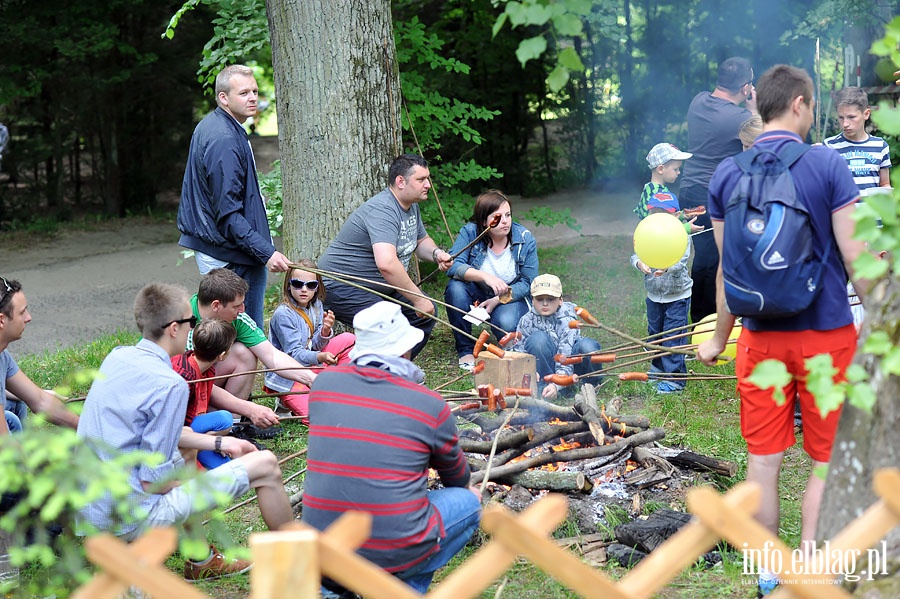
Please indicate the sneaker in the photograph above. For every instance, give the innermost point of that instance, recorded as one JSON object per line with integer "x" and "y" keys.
{"x": 765, "y": 588}
{"x": 664, "y": 387}
{"x": 467, "y": 362}
{"x": 215, "y": 567}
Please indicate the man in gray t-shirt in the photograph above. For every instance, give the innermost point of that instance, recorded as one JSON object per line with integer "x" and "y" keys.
{"x": 377, "y": 242}
{"x": 713, "y": 121}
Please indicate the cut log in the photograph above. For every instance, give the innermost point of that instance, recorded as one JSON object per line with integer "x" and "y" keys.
{"x": 626, "y": 556}
{"x": 541, "y": 480}
{"x": 647, "y": 535}
{"x": 590, "y": 415}
{"x": 648, "y": 436}
{"x": 507, "y": 440}
{"x": 695, "y": 461}
{"x": 543, "y": 433}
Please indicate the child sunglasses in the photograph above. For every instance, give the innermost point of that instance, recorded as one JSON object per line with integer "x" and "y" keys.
{"x": 298, "y": 284}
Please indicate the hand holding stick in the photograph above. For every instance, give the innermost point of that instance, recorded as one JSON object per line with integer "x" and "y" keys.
{"x": 492, "y": 225}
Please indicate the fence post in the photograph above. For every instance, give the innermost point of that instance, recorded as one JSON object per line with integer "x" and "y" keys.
{"x": 285, "y": 565}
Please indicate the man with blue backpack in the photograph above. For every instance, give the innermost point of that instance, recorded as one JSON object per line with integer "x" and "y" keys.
{"x": 782, "y": 220}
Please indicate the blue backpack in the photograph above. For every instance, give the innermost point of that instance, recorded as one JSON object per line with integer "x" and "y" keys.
{"x": 769, "y": 265}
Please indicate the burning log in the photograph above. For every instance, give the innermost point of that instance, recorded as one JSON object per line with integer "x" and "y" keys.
{"x": 647, "y": 535}
{"x": 543, "y": 433}
{"x": 507, "y": 440}
{"x": 702, "y": 463}
{"x": 540, "y": 480}
{"x": 568, "y": 455}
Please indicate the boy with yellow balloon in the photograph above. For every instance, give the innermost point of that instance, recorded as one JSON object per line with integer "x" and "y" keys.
{"x": 662, "y": 248}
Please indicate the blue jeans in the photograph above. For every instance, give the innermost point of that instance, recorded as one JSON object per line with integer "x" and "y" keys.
{"x": 18, "y": 409}
{"x": 220, "y": 420}
{"x": 12, "y": 422}
{"x": 540, "y": 345}
{"x": 257, "y": 278}
{"x": 463, "y": 294}
{"x": 461, "y": 513}
{"x": 664, "y": 317}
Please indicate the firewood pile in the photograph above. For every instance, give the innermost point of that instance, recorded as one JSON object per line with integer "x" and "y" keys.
{"x": 543, "y": 446}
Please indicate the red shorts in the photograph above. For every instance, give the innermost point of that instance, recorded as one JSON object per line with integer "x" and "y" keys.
{"x": 769, "y": 428}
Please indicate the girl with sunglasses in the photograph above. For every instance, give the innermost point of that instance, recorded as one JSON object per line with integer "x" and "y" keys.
{"x": 301, "y": 328}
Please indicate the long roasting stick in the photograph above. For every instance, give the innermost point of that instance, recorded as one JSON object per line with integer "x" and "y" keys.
{"x": 492, "y": 225}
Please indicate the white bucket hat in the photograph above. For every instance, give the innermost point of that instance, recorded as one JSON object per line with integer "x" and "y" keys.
{"x": 382, "y": 329}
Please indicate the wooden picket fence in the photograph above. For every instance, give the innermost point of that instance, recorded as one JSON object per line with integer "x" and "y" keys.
{"x": 290, "y": 563}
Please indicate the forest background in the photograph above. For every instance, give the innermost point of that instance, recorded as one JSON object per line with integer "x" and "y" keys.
{"x": 101, "y": 105}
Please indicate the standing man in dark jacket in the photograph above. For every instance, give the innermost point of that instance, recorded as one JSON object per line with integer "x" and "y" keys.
{"x": 222, "y": 215}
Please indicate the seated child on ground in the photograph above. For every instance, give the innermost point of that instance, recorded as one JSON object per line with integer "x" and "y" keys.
{"x": 212, "y": 340}
{"x": 301, "y": 328}
{"x": 545, "y": 332}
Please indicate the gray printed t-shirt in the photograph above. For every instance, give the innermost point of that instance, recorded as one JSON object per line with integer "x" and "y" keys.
{"x": 380, "y": 220}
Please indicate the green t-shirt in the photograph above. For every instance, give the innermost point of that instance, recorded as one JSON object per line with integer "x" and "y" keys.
{"x": 247, "y": 332}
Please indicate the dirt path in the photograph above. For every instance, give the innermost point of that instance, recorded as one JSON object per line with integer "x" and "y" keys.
{"x": 81, "y": 284}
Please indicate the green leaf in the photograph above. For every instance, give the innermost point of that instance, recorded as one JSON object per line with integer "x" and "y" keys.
{"x": 537, "y": 14}
{"x": 568, "y": 24}
{"x": 558, "y": 78}
{"x": 531, "y": 47}
{"x": 771, "y": 374}
{"x": 884, "y": 205}
{"x": 887, "y": 120}
{"x": 820, "y": 382}
{"x": 498, "y": 24}
{"x": 867, "y": 266}
{"x": 821, "y": 472}
{"x": 890, "y": 364}
{"x": 569, "y": 58}
{"x": 877, "y": 343}
{"x": 862, "y": 396}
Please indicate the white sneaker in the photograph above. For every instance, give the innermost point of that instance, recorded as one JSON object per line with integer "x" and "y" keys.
{"x": 281, "y": 409}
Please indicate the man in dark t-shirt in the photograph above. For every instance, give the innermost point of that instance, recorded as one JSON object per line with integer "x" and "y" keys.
{"x": 714, "y": 119}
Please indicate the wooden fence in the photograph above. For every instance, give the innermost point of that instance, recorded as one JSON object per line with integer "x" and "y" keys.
{"x": 290, "y": 563}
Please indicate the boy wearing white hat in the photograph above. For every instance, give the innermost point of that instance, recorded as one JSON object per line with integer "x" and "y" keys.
{"x": 374, "y": 432}
{"x": 665, "y": 162}
{"x": 545, "y": 333}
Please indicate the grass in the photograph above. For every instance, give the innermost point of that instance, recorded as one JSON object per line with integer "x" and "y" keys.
{"x": 595, "y": 274}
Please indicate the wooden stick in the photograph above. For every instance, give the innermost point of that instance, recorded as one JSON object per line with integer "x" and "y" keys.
{"x": 492, "y": 225}
{"x": 346, "y": 279}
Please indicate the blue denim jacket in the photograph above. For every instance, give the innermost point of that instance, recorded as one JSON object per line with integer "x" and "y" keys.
{"x": 524, "y": 252}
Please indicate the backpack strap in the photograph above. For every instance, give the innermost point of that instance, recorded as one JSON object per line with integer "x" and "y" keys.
{"x": 791, "y": 153}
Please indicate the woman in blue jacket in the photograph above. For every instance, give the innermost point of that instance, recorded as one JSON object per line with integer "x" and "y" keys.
{"x": 496, "y": 272}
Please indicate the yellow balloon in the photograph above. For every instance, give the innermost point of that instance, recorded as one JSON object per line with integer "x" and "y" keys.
{"x": 660, "y": 240}
{"x": 704, "y": 330}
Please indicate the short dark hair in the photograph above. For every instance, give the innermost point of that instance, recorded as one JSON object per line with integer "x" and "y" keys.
{"x": 734, "y": 73}
{"x": 8, "y": 288}
{"x": 157, "y": 304}
{"x": 221, "y": 284}
{"x": 778, "y": 87}
{"x": 403, "y": 166}
{"x": 485, "y": 205}
{"x": 211, "y": 337}
{"x": 851, "y": 96}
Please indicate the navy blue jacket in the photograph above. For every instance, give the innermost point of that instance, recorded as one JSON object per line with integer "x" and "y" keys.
{"x": 222, "y": 212}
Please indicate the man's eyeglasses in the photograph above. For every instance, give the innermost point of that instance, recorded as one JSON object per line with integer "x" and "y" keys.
{"x": 298, "y": 284}
{"x": 191, "y": 321}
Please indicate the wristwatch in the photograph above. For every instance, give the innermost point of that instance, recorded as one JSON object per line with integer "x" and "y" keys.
{"x": 434, "y": 254}
{"x": 218, "y": 448}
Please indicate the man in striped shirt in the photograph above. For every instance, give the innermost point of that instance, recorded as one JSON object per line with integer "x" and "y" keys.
{"x": 375, "y": 430}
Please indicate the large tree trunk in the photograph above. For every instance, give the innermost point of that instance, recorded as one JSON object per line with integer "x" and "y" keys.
{"x": 865, "y": 442}
{"x": 338, "y": 92}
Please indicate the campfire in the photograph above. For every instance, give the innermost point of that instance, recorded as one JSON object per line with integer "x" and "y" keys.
{"x": 582, "y": 448}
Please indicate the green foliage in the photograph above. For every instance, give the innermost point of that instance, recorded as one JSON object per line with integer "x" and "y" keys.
{"x": 772, "y": 374}
{"x": 270, "y": 184}
{"x": 555, "y": 20}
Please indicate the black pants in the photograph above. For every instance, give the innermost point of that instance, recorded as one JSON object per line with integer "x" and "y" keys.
{"x": 706, "y": 256}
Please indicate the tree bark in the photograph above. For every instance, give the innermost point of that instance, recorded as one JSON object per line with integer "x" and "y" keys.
{"x": 338, "y": 92}
{"x": 867, "y": 441}
{"x": 545, "y": 480}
